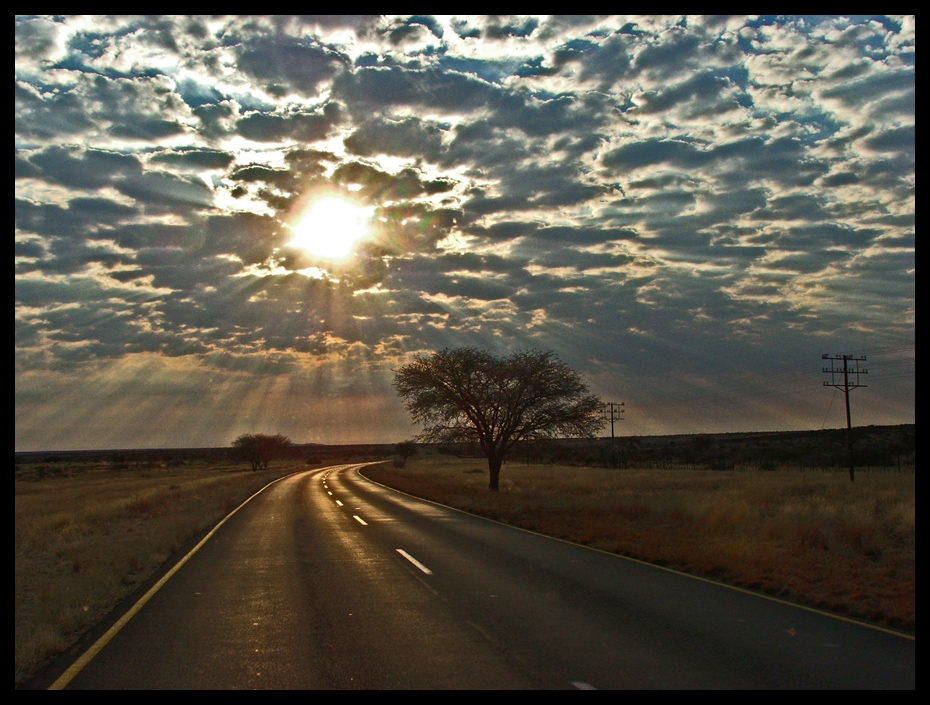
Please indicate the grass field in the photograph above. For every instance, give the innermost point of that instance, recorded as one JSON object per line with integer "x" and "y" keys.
{"x": 87, "y": 535}
{"x": 811, "y": 537}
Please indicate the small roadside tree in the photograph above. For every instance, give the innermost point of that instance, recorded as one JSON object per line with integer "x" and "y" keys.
{"x": 466, "y": 394}
{"x": 405, "y": 449}
{"x": 259, "y": 449}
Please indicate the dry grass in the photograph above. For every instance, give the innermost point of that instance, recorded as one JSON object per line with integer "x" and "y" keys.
{"x": 811, "y": 537}
{"x": 85, "y": 539}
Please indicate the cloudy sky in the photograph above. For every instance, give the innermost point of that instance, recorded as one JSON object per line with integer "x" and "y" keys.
{"x": 689, "y": 211}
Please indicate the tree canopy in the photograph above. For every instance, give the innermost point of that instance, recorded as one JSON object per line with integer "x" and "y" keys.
{"x": 466, "y": 394}
{"x": 259, "y": 448}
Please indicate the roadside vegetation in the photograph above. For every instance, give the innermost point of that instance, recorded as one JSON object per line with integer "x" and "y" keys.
{"x": 87, "y": 534}
{"x": 467, "y": 395}
{"x": 810, "y": 537}
{"x": 259, "y": 449}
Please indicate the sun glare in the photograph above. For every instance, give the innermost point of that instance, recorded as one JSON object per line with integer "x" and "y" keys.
{"x": 330, "y": 227}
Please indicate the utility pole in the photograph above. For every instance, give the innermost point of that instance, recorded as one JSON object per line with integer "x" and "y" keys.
{"x": 614, "y": 411}
{"x": 848, "y": 371}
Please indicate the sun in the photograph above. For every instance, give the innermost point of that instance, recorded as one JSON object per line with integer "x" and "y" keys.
{"x": 330, "y": 227}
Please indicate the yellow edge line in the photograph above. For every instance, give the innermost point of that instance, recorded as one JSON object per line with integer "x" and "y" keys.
{"x": 62, "y": 681}
{"x": 814, "y": 610}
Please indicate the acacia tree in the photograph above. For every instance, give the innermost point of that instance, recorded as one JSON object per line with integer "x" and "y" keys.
{"x": 259, "y": 448}
{"x": 465, "y": 394}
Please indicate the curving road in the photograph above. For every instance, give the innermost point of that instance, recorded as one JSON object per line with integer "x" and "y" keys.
{"x": 326, "y": 580}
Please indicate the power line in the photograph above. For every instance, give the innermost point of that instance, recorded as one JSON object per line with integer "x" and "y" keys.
{"x": 886, "y": 349}
{"x": 832, "y": 399}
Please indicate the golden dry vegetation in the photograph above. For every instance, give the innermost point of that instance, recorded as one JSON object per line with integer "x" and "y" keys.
{"x": 810, "y": 537}
{"x": 87, "y": 535}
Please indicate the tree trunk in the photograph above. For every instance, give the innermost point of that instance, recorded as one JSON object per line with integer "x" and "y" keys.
{"x": 494, "y": 466}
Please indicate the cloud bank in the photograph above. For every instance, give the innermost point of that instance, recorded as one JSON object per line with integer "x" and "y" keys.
{"x": 688, "y": 210}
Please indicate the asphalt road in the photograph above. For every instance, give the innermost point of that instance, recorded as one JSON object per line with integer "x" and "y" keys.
{"x": 328, "y": 581}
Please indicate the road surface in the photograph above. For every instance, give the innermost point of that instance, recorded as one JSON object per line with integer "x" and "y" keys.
{"x": 328, "y": 581}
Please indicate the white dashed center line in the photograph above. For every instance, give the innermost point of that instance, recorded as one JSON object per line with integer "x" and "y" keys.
{"x": 359, "y": 520}
{"x": 581, "y": 685}
{"x": 338, "y": 502}
{"x": 414, "y": 561}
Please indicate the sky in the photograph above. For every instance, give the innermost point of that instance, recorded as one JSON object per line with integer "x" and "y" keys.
{"x": 229, "y": 225}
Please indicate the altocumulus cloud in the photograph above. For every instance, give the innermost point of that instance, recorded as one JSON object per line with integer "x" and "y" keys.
{"x": 688, "y": 210}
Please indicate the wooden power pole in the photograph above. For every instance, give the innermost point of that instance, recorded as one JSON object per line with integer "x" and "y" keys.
{"x": 614, "y": 411}
{"x": 850, "y": 380}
